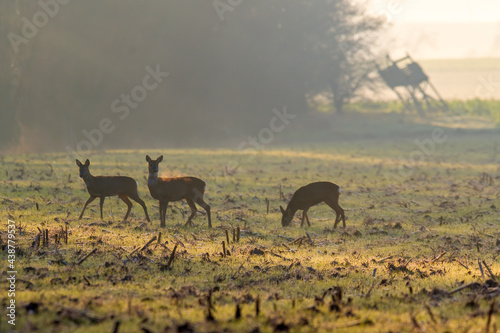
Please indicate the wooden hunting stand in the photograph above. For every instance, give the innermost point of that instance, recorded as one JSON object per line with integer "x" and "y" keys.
{"x": 409, "y": 82}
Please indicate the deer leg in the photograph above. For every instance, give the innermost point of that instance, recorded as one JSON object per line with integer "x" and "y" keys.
{"x": 165, "y": 207}
{"x": 304, "y": 216}
{"x": 136, "y": 198}
{"x": 342, "y": 215}
{"x": 129, "y": 204}
{"x": 206, "y": 207}
{"x": 92, "y": 198}
{"x": 163, "y": 212}
{"x": 193, "y": 211}
{"x": 338, "y": 211}
{"x": 101, "y": 203}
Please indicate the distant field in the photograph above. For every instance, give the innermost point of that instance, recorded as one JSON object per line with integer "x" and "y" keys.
{"x": 471, "y": 64}
{"x": 465, "y": 78}
{"x": 422, "y": 232}
{"x": 462, "y": 78}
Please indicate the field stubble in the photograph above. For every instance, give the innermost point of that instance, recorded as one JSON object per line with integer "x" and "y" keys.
{"x": 409, "y": 260}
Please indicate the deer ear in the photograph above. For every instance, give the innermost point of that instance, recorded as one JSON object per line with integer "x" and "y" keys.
{"x": 282, "y": 210}
{"x": 79, "y": 163}
{"x": 87, "y": 162}
{"x": 159, "y": 159}
{"x": 148, "y": 159}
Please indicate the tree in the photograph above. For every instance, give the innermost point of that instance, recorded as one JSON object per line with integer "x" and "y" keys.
{"x": 344, "y": 44}
{"x": 225, "y": 79}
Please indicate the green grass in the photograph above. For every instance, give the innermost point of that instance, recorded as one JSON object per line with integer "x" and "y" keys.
{"x": 485, "y": 110}
{"x": 423, "y": 230}
{"x": 488, "y": 111}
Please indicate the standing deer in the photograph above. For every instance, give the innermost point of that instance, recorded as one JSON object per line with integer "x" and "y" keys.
{"x": 108, "y": 186}
{"x": 174, "y": 189}
{"x": 311, "y": 195}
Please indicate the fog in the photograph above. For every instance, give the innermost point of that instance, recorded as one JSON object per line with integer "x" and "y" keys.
{"x": 134, "y": 74}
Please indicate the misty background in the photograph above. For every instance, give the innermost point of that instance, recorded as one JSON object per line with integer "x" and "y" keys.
{"x": 229, "y": 65}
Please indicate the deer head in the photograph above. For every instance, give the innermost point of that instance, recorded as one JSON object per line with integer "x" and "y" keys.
{"x": 153, "y": 164}
{"x": 286, "y": 217}
{"x": 84, "y": 168}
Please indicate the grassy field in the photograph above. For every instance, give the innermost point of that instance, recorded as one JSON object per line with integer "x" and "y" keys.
{"x": 419, "y": 254}
{"x": 477, "y": 112}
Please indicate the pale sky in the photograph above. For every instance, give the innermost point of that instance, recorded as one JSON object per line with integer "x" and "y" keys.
{"x": 438, "y": 10}
{"x": 441, "y": 28}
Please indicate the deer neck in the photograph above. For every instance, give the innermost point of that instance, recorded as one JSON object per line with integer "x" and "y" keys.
{"x": 152, "y": 178}
{"x": 88, "y": 179}
{"x": 291, "y": 210}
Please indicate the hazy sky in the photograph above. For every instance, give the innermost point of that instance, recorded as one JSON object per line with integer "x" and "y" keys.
{"x": 439, "y": 10}
{"x": 441, "y": 28}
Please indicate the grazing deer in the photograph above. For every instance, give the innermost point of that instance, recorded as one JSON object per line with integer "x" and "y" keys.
{"x": 174, "y": 189}
{"x": 311, "y": 195}
{"x": 108, "y": 186}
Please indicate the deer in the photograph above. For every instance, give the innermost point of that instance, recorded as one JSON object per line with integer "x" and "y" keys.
{"x": 311, "y": 195}
{"x": 108, "y": 186}
{"x": 165, "y": 190}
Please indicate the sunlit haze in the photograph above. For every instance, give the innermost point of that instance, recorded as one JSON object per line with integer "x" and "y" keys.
{"x": 457, "y": 11}
{"x": 442, "y": 29}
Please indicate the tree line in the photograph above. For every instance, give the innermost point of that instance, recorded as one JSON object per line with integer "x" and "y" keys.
{"x": 169, "y": 73}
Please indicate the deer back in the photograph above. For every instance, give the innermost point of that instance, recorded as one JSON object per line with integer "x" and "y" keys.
{"x": 314, "y": 193}
{"x": 174, "y": 189}
{"x": 111, "y": 185}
